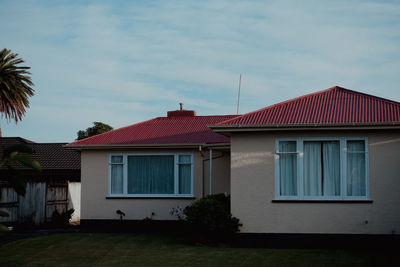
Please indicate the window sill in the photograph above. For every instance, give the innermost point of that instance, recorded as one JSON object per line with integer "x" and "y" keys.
{"x": 151, "y": 197}
{"x": 320, "y": 201}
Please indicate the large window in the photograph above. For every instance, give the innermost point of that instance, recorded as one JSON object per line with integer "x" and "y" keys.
{"x": 152, "y": 175}
{"x": 322, "y": 168}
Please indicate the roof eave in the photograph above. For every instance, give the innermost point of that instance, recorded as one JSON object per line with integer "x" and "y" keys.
{"x": 294, "y": 127}
{"x": 144, "y": 146}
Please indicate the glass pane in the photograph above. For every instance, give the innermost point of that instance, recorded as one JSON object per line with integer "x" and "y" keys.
{"x": 116, "y": 159}
{"x": 116, "y": 179}
{"x": 356, "y": 146}
{"x": 185, "y": 179}
{"x": 288, "y": 169}
{"x": 322, "y": 168}
{"x": 287, "y": 146}
{"x": 185, "y": 158}
{"x": 150, "y": 174}
{"x": 356, "y": 168}
{"x": 331, "y": 168}
{"x": 312, "y": 169}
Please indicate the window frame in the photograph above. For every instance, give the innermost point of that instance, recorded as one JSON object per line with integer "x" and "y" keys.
{"x": 125, "y": 175}
{"x": 343, "y": 168}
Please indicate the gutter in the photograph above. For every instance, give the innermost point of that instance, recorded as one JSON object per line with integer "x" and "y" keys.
{"x": 138, "y": 146}
{"x": 295, "y": 127}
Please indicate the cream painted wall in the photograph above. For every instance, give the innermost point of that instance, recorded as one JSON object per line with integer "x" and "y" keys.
{"x": 94, "y": 188}
{"x": 221, "y": 173}
{"x": 253, "y": 189}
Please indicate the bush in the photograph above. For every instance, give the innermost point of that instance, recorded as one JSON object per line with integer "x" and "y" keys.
{"x": 209, "y": 219}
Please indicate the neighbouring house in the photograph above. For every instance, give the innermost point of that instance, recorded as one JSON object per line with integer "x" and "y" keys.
{"x": 56, "y": 187}
{"x": 148, "y": 168}
{"x": 323, "y": 163}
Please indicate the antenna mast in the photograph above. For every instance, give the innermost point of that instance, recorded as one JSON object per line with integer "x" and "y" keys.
{"x": 240, "y": 82}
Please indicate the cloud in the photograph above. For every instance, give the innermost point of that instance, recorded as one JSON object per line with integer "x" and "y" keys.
{"x": 125, "y": 62}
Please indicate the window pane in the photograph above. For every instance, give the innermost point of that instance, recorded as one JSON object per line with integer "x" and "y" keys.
{"x": 150, "y": 174}
{"x": 185, "y": 181}
{"x": 322, "y": 168}
{"x": 287, "y": 168}
{"x": 356, "y": 168}
{"x": 116, "y": 159}
{"x": 185, "y": 158}
{"x": 331, "y": 168}
{"x": 116, "y": 179}
{"x": 312, "y": 169}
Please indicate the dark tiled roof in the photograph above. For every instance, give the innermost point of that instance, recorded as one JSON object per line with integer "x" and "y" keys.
{"x": 180, "y": 127}
{"x": 51, "y": 156}
{"x": 335, "y": 105}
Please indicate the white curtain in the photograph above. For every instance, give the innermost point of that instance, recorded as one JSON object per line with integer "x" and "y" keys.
{"x": 151, "y": 174}
{"x": 185, "y": 174}
{"x": 312, "y": 169}
{"x": 356, "y": 168}
{"x": 331, "y": 168}
{"x": 116, "y": 175}
{"x": 288, "y": 168}
{"x": 322, "y": 168}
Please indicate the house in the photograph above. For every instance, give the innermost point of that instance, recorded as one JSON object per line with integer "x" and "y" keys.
{"x": 323, "y": 163}
{"x": 147, "y": 168}
{"x": 57, "y": 186}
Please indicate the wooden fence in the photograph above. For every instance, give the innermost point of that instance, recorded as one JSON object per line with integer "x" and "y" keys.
{"x": 39, "y": 203}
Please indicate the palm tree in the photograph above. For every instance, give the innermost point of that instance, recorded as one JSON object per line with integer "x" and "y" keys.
{"x": 15, "y": 89}
{"x": 15, "y": 86}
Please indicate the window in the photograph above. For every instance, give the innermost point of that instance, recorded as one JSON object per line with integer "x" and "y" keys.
{"x": 151, "y": 175}
{"x": 322, "y": 168}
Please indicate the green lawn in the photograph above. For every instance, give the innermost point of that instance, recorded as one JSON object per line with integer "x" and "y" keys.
{"x": 117, "y": 249}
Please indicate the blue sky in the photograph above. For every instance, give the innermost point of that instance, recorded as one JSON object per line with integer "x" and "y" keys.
{"x": 122, "y": 62}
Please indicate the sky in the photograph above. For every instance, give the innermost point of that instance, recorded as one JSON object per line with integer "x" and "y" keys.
{"x": 122, "y": 62}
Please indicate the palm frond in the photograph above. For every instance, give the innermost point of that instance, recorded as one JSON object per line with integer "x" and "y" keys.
{"x": 15, "y": 86}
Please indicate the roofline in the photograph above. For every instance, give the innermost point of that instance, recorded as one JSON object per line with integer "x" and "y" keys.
{"x": 308, "y": 95}
{"x": 291, "y": 127}
{"x": 136, "y": 146}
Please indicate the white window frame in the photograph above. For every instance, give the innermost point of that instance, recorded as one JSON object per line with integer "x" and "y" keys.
{"x": 343, "y": 169}
{"x": 125, "y": 175}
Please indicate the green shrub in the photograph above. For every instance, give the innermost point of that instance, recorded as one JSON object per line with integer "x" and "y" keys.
{"x": 209, "y": 219}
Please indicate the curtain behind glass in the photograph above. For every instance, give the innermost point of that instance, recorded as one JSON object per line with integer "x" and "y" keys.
{"x": 287, "y": 168}
{"x": 185, "y": 174}
{"x": 116, "y": 179}
{"x": 356, "y": 168}
{"x": 150, "y": 174}
{"x": 331, "y": 168}
{"x": 312, "y": 169}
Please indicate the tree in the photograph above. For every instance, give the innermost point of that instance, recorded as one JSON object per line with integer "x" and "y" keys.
{"x": 15, "y": 90}
{"x": 15, "y": 86}
{"x": 98, "y": 128}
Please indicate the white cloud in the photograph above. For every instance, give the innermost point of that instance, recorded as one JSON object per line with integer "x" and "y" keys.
{"x": 125, "y": 62}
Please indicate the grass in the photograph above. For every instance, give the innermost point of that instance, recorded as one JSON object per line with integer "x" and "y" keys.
{"x": 117, "y": 249}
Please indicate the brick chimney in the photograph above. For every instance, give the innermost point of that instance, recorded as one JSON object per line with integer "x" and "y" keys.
{"x": 181, "y": 112}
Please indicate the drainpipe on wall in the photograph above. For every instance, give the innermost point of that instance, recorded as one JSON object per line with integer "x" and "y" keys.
{"x": 210, "y": 190}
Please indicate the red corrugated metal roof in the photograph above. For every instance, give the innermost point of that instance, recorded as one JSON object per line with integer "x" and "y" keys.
{"x": 335, "y": 105}
{"x": 175, "y": 129}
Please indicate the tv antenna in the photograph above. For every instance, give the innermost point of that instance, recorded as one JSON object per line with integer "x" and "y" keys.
{"x": 240, "y": 82}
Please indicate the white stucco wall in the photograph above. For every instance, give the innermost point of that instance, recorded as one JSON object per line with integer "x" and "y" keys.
{"x": 94, "y": 188}
{"x": 253, "y": 189}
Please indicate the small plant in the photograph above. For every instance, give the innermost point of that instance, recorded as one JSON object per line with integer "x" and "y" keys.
{"x": 209, "y": 219}
{"x": 61, "y": 219}
{"x": 177, "y": 212}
